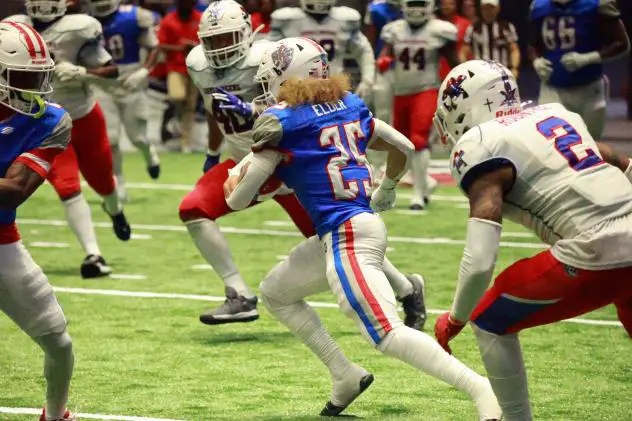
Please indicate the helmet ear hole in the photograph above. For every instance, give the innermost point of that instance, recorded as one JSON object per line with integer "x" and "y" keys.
{"x": 460, "y": 119}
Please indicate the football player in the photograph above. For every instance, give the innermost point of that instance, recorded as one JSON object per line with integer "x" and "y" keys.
{"x": 570, "y": 40}
{"x": 412, "y": 48}
{"x": 75, "y": 41}
{"x": 539, "y": 167}
{"x": 336, "y": 29}
{"x": 34, "y": 132}
{"x": 127, "y": 31}
{"x": 315, "y": 141}
{"x": 223, "y": 67}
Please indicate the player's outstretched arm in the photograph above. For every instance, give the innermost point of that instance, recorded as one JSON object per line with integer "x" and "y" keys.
{"x": 18, "y": 184}
{"x": 254, "y": 173}
{"x": 615, "y": 40}
{"x": 616, "y": 159}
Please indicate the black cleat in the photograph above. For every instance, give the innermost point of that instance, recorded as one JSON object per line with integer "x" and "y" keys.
{"x": 94, "y": 266}
{"x": 331, "y": 410}
{"x": 415, "y": 304}
{"x": 416, "y": 207}
{"x": 236, "y": 309}
{"x": 154, "y": 171}
{"x": 121, "y": 227}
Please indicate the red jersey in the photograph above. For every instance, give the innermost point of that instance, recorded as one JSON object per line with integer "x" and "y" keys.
{"x": 174, "y": 31}
{"x": 461, "y": 24}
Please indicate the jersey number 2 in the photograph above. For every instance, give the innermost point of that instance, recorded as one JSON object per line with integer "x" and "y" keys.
{"x": 351, "y": 134}
{"x": 569, "y": 143}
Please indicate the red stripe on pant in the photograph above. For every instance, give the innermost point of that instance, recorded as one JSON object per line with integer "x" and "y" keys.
{"x": 359, "y": 276}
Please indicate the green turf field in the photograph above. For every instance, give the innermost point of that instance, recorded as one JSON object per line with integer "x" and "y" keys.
{"x": 150, "y": 357}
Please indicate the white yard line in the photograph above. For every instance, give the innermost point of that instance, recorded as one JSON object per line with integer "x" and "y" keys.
{"x": 202, "y": 267}
{"x": 38, "y": 411}
{"x": 141, "y": 237}
{"x": 128, "y": 276}
{"x": 317, "y": 304}
{"x": 45, "y": 244}
{"x": 279, "y": 233}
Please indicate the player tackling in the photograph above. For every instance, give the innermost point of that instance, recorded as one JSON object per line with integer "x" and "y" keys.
{"x": 315, "y": 141}
{"x": 539, "y": 167}
{"x": 34, "y": 132}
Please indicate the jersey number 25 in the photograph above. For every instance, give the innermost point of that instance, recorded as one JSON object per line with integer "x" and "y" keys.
{"x": 569, "y": 143}
{"x": 351, "y": 134}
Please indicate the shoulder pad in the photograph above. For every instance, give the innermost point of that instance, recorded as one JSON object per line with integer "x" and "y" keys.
{"x": 196, "y": 60}
{"x": 19, "y": 19}
{"x": 257, "y": 50}
{"x": 288, "y": 13}
{"x": 145, "y": 18}
{"x": 267, "y": 130}
{"x": 87, "y": 26}
{"x": 444, "y": 29}
{"x": 345, "y": 13}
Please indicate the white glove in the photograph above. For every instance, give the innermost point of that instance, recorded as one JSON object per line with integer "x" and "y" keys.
{"x": 383, "y": 198}
{"x": 66, "y": 71}
{"x": 364, "y": 90}
{"x": 574, "y": 61}
{"x": 134, "y": 80}
{"x": 543, "y": 68}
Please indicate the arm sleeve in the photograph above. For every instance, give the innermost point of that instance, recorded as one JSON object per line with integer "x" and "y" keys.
{"x": 390, "y": 135}
{"x": 260, "y": 168}
{"x": 362, "y": 51}
{"x": 477, "y": 265}
{"x": 40, "y": 159}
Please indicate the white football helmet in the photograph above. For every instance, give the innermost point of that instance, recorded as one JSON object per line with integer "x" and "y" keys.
{"x": 474, "y": 92}
{"x": 45, "y": 10}
{"x": 26, "y": 69}
{"x": 299, "y": 58}
{"x": 317, "y": 7}
{"x": 225, "y": 33}
{"x": 102, "y": 8}
{"x": 418, "y": 11}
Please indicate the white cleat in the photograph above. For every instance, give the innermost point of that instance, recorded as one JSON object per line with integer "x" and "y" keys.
{"x": 346, "y": 389}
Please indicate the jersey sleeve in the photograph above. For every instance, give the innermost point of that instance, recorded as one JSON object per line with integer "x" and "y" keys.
{"x": 267, "y": 132}
{"x": 145, "y": 19}
{"x": 41, "y": 159}
{"x": 389, "y": 32}
{"x": 93, "y": 53}
{"x": 446, "y": 31}
{"x": 608, "y": 8}
{"x": 472, "y": 158}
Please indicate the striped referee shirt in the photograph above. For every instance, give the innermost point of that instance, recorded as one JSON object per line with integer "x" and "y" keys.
{"x": 492, "y": 41}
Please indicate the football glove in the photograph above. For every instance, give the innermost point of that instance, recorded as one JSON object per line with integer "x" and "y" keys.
{"x": 446, "y": 329}
{"x": 383, "y": 198}
{"x": 574, "y": 61}
{"x": 66, "y": 71}
{"x": 228, "y": 101}
{"x": 134, "y": 80}
{"x": 384, "y": 63}
{"x": 543, "y": 67}
{"x": 212, "y": 159}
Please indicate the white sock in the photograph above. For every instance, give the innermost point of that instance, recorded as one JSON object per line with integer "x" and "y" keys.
{"x": 305, "y": 324}
{"x": 117, "y": 160}
{"x": 112, "y": 203}
{"x": 421, "y": 351}
{"x": 120, "y": 187}
{"x": 214, "y": 248}
{"x": 58, "y": 365}
{"x": 400, "y": 284}
{"x": 79, "y": 218}
{"x": 503, "y": 361}
{"x": 419, "y": 169}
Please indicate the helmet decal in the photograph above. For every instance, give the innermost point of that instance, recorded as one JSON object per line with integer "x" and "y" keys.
{"x": 453, "y": 91}
{"x": 282, "y": 57}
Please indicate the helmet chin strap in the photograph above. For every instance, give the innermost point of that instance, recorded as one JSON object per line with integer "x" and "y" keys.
{"x": 41, "y": 104}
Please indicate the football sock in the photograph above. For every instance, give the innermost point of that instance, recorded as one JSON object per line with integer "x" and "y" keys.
{"x": 305, "y": 324}
{"x": 503, "y": 361}
{"x": 420, "y": 163}
{"x": 214, "y": 248}
{"x": 58, "y": 365}
{"x": 117, "y": 160}
{"x": 112, "y": 203}
{"x": 400, "y": 284}
{"x": 121, "y": 190}
{"x": 79, "y": 218}
{"x": 424, "y": 353}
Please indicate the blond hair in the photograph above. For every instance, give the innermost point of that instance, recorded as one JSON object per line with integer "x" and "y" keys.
{"x": 314, "y": 91}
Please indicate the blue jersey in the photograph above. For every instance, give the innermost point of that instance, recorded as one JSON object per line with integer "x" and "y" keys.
{"x": 122, "y": 32}
{"x": 33, "y": 142}
{"x": 569, "y": 28}
{"x": 379, "y": 14}
{"x": 324, "y": 146}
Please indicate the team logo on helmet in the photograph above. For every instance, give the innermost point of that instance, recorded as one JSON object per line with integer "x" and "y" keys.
{"x": 509, "y": 93}
{"x": 216, "y": 11}
{"x": 282, "y": 57}
{"x": 453, "y": 91}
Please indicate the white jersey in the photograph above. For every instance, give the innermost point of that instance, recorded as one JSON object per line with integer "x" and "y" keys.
{"x": 77, "y": 39}
{"x": 416, "y": 52}
{"x": 563, "y": 190}
{"x": 338, "y": 33}
{"x": 238, "y": 80}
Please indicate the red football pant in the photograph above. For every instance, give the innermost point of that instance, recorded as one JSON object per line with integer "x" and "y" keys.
{"x": 412, "y": 116}
{"x": 207, "y": 200}
{"x": 541, "y": 290}
{"x": 88, "y": 151}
